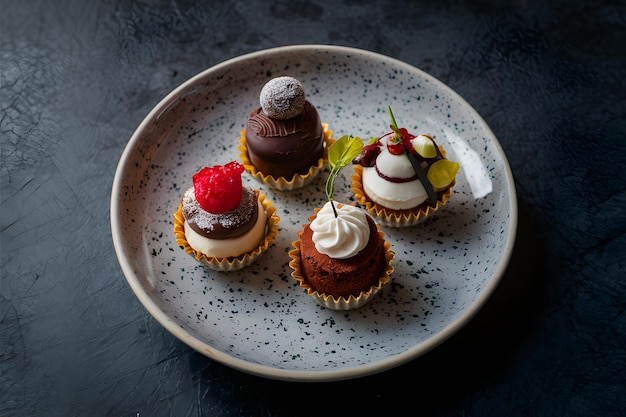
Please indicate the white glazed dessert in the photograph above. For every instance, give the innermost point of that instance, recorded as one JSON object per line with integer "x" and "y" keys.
{"x": 401, "y": 178}
{"x": 392, "y": 182}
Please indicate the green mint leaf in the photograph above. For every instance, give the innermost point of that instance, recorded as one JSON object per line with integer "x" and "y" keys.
{"x": 340, "y": 154}
{"x": 343, "y": 151}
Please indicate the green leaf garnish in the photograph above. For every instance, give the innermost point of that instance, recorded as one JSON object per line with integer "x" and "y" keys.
{"x": 340, "y": 154}
{"x": 394, "y": 126}
{"x": 343, "y": 151}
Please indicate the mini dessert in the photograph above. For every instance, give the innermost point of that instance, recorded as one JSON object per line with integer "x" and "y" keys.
{"x": 223, "y": 224}
{"x": 341, "y": 257}
{"x": 284, "y": 143}
{"x": 401, "y": 178}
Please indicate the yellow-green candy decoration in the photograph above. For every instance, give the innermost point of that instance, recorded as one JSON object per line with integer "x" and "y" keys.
{"x": 424, "y": 147}
{"x": 442, "y": 173}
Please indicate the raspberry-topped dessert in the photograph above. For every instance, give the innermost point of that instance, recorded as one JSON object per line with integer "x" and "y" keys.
{"x": 341, "y": 257}
{"x": 222, "y": 223}
{"x": 401, "y": 178}
{"x": 284, "y": 143}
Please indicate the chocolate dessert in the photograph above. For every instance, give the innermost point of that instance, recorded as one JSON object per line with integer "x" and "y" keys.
{"x": 285, "y": 135}
{"x": 342, "y": 277}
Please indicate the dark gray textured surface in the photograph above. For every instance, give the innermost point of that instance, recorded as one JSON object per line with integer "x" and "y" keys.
{"x": 78, "y": 77}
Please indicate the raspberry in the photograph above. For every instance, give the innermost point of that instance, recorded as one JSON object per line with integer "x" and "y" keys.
{"x": 218, "y": 188}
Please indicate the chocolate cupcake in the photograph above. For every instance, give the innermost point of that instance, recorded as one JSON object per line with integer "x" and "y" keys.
{"x": 284, "y": 143}
{"x": 343, "y": 261}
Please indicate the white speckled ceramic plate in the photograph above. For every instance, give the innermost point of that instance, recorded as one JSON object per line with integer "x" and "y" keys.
{"x": 258, "y": 320}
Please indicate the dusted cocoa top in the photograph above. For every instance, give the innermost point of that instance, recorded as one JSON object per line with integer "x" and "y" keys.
{"x": 282, "y": 148}
{"x": 227, "y": 225}
{"x": 282, "y": 98}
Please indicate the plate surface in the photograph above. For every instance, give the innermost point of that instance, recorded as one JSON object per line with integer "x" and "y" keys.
{"x": 258, "y": 320}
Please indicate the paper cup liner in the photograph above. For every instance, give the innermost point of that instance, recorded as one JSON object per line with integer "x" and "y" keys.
{"x": 397, "y": 218}
{"x": 232, "y": 263}
{"x": 342, "y": 302}
{"x": 282, "y": 183}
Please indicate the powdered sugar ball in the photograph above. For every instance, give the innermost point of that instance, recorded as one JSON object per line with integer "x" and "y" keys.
{"x": 282, "y": 98}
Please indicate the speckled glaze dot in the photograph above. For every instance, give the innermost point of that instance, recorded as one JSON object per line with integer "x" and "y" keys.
{"x": 282, "y": 98}
{"x": 258, "y": 320}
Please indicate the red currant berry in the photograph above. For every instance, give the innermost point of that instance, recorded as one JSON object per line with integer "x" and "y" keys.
{"x": 396, "y": 148}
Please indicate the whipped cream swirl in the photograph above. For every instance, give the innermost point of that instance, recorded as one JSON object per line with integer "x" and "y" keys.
{"x": 343, "y": 236}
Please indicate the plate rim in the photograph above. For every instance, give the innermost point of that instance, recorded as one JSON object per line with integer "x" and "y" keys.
{"x": 294, "y": 374}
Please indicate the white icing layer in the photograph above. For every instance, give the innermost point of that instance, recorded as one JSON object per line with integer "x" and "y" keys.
{"x": 393, "y": 195}
{"x": 343, "y": 236}
{"x": 393, "y": 166}
{"x": 224, "y": 248}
